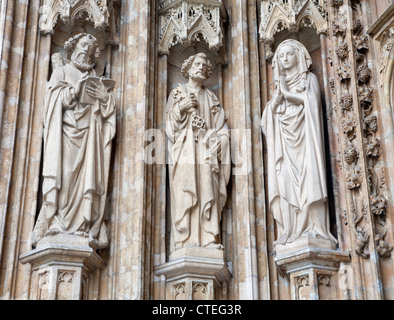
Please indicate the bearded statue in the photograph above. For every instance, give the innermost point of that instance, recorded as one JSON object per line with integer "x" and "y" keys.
{"x": 79, "y": 125}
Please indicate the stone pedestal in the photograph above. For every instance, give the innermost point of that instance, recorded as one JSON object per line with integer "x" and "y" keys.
{"x": 194, "y": 273}
{"x": 62, "y": 272}
{"x": 312, "y": 266}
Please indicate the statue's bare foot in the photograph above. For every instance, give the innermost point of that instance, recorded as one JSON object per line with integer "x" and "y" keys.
{"x": 81, "y": 234}
{"x": 215, "y": 246}
{"x": 93, "y": 243}
{"x": 282, "y": 240}
{"x": 52, "y": 232}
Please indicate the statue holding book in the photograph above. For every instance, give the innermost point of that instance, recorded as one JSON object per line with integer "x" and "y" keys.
{"x": 79, "y": 125}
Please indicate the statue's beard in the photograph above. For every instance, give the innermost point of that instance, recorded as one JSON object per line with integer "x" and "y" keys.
{"x": 80, "y": 61}
{"x": 197, "y": 76}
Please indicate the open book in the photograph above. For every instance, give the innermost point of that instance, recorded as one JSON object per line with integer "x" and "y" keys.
{"x": 85, "y": 97}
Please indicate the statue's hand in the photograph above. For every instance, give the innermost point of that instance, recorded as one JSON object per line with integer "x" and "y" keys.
{"x": 277, "y": 99}
{"x": 283, "y": 86}
{"x": 188, "y": 103}
{"x": 97, "y": 91}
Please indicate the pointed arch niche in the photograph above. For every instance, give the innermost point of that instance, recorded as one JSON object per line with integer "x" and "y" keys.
{"x": 185, "y": 28}
{"x": 307, "y": 22}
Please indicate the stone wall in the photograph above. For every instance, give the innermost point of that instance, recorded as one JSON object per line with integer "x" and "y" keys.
{"x": 350, "y": 43}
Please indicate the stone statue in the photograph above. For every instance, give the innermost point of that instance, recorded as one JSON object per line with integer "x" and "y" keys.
{"x": 79, "y": 125}
{"x": 292, "y": 124}
{"x": 199, "y": 158}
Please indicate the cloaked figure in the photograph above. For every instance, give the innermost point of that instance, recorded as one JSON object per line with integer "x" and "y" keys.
{"x": 79, "y": 125}
{"x": 199, "y": 158}
{"x": 292, "y": 124}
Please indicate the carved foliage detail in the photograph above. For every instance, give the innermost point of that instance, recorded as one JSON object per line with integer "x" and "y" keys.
{"x": 355, "y": 72}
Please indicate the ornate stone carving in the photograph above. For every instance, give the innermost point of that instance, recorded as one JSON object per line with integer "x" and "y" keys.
{"x": 180, "y": 291}
{"x": 354, "y": 178}
{"x": 361, "y": 242}
{"x": 357, "y": 26}
{"x": 336, "y": 3}
{"x": 342, "y": 50}
{"x": 361, "y": 43}
{"x": 339, "y": 25}
{"x": 64, "y": 271}
{"x": 365, "y": 97}
{"x": 299, "y": 180}
{"x": 382, "y": 247}
{"x": 363, "y": 73}
{"x": 69, "y": 11}
{"x": 303, "y": 288}
{"x": 200, "y": 291}
{"x": 325, "y": 287}
{"x": 189, "y": 22}
{"x": 199, "y": 151}
{"x": 371, "y": 143}
{"x": 64, "y": 285}
{"x": 277, "y": 15}
{"x": 43, "y": 285}
{"x": 350, "y": 154}
{"x": 344, "y": 72}
{"x": 348, "y": 125}
{"x": 79, "y": 125}
{"x": 346, "y": 102}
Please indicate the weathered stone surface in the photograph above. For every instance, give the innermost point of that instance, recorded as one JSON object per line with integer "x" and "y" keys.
{"x": 350, "y": 44}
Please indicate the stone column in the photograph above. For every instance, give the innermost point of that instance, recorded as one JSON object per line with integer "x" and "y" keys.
{"x": 248, "y": 195}
{"x": 127, "y": 276}
{"x": 23, "y": 74}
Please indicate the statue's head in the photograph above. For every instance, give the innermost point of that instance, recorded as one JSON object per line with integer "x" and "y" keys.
{"x": 290, "y": 54}
{"x": 288, "y": 57}
{"x": 83, "y": 51}
{"x": 291, "y": 57}
{"x": 197, "y": 67}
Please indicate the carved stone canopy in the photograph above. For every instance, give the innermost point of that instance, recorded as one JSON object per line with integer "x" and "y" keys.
{"x": 279, "y": 15}
{"x": 190, "y": 22}
{"x": 69, "y": 11}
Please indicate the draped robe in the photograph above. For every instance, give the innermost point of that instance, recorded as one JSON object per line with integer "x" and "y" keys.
{"x": 198, "y": 179}
{"x": 77, "y": 150}
{"x": 297, "y": 188}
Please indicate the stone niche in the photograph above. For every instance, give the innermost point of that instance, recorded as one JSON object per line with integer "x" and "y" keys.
{"x": 192, "y": 272}
{"x": 64, "y": 263}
